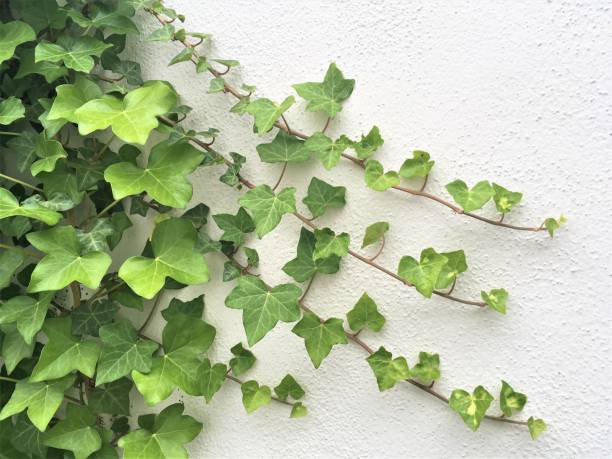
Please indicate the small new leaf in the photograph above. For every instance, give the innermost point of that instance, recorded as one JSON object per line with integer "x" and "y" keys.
{"x": 328, "y": 243}
{"x": 242, "y": 361}
{"x": 365, "y": 315}
{"x": 422, "y": 274}
{"x": 470, "y": 199}
{"x": 377, "y": 179}
{"x": 417, "y": 166}
{"x": 374, "y": 233}
{"x": 235, "y": 227}
{"x": 510, "y": 401}
{"x": 428, "y": 368}
{"x": 284, "y": 148}
{"x": 553, "y": 225}
{"x": 266, "y": 112}
{"x": 322, "y": 196}
{"x": 211, "y": 378}
{"x": 289, "y": 387}
{"x": 319, "y": 337}
{"x": 255, "y": 396}
{"x": 505, "y": 199}
{"x": 327, "y": 96}
{"x": 267, "y": 208}
{"x": 496, "y": 299}
{"x": 455, "y": 265}
{"x": 388, "y": 370}
{"x": 368, "y": 144}
{"x": 304, "y": 266}
{"x": 536, "y": 427}
{"x": 328, "y": 150}
{"x": 471, "y": 407}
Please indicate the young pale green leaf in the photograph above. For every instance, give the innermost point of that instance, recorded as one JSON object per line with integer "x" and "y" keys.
{"x": 10, "y": 261}
{"x": 553, "y": 225}
{"x": 328, "y": 243}
{"x": 49, "y": 151}
{"x": 242, "y": 361}
{"x": 266, "y": 113}
{"x": 252, "y": 257}
{"x": 122, "y": 352}
{"x": 235, "y": 227}
{"x": 112, "y": 398}
{"x": 327, "y": 96}
{"x": 322, "y": 196}
{"x": 165, "y": 438}
{"x": 299, "y": 410}
{"x": 75, "y": 52}
{"x": 14, "y": 347}
{"x": 262, "y": 307}
{"x": 64, "y": 262}
{"x": 536, "y": 427}
{"x": 216, "y": 85}
{"x": 368, "y": 144}
{"x": 365, "y": 315}
{"x": 255, "y": 396}
{"x": 304, "y": 266}
{"x": 131, "y": 119}
{"x": 510, "y": 401}
{"x": 417, "y": 166}
{"x": 328, "y": 150}
{"x": 428, "y": 367}
{"x": 470, "y": 199}
{"x": 388, "y": 370}
{"x": 173, "y": 243}
{"x": 284, "y": 148}
{"x": 377, "y": 179}
{"x": 455, "y": 265}
{"x": 374, "y": 233}
{"x": 211, "y": 378}
{"x": 505, "y": 199}
{"x": 76, "y": 433}
{"x": 289, "y": 387}
{"x": 424, "y": 274}
{"x": 267, "y": 208}
{"x": 319, "y": 337}
{"x": 164, "y": 178}
{"x": 42, "y": 400}
{"x": 472, "y": 408}
{"x": 13, "y": 34}
{"x": 10, "y": 207}
{"x": 496, "y": 299}
{"x": 64, "y": 352}
{"x": 11, "y": 109}
{"x": 27, "y": 313}
{"x": 70, "y": 97}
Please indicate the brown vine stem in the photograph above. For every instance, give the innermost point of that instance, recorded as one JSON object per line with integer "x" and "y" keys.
{"x": 280, "y": 177}
{"x": 380, "y": 249}
{"x": 274, "y": 397}
{"x": 147, "y": 321}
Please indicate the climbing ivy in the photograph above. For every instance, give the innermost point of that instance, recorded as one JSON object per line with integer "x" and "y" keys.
{"x": 75, "y": 116}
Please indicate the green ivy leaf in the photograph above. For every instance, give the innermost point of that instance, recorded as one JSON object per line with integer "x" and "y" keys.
{"x": 76, "y": 433}
{"x": 211, "y": 378}
{"x": 509, "y": 400}
{"x": 365, "y": 314}
{"x": 536, "y": 427}
{"x": 122, "y": 352}
{"x": 70, "y": 97}
{"x": 553, "y": 225}
{"x": 165, "y": 438}
{"x": 198, "y": 215}
{"x": 131, "y": 119}
{"x": 112, "y": 398}
{"x": 10, "y": 261}
{"x": 14, "y": 347}
{"x": 455, "y": 265}
{"x": 327, "y": 96}
{"x": 242, "y": 361}
{"x": 505, "y": 199}
{"x": 10, "y": 207}
{"x": 471, "y": 408}
{"x": 49, "y": 151}
{"x": 328, "y": 244}
{"x": 319, "y": 337}
{"x": 252, "y": 257}
{"x": 304, "y": 266}
{"x": 284, "y": 148}
{"x": 388, "y": 370}
{"x": 27, "y": 439}
{"x": 64, "y": 352}
{"x": 267, "y": 208}
{"x": 266, "y": 112}
{"x": 193, "y": 308}
{"x": 322, "y": 196}
{"x": 298, "y": 411}
{"x": 262, "y": 306}
{"x": 42, "y": 399}
{"x": 255, "y": 396}
{"x": 377, "y": 179}
{"x": 496, "y": 299}
{"x": 235, "y": 227}
{"x": 368, "y": 143}
{"x": 164, "y": 178}
{"x": 27, "y": 313}
{"x": 289, "y": 387}
{"x": 428, "y": 367}
{"x": 49, "y": 70}
{"x": 328, "y": 150}
{"x": 417, "y": 166}
{"x": 470, "y": 199}
{"x": 13, "y": 34}
{"x": 374, "y": 233}
{"x": 424, "y": 274}
{"x": 173, "y": 244}
{"x": 75, "y": 52}
{"x": 64, "y": 262}
{"x": 11, "y": 109}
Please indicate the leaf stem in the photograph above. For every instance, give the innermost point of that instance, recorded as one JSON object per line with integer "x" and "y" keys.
{"x": 380, "y": 249}
{"x": 16, "y": 134}
{"x": 21, "y": 182}
{"x": 145, "y": 324}
{"x": 109, "y": 207}
{"x": 326, "y": 125}
{"x": 6, "y": 378}
{"x": 280, "y": 177}
{"x": 29, "y": 253}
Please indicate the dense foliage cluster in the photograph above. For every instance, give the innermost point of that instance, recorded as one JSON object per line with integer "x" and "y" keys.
{"x": 75, "y": 116}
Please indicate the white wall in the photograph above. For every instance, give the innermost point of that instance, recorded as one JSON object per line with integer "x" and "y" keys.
{"x": 516, "y": 92}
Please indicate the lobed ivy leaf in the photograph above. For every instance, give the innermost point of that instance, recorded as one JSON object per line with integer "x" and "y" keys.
{"x": 42, "y": 400}
{"x": 536, "y": 427}
{"x": 164, "y": 178}
{"x": 368, "y": 144}
{"x": 374, "y": 233}
{"x": 509, "y": 400}
{"x": 252, "y": 257}
{"x": 417, "y": 166}
{"x": 266, "y": 113}
{"x": 10, "y": 207}
{"x": 49, "y": 70}
{"x": 13, "y": 34}
{"x": 77, "y": 433}
{"x": 505, "y": 199}
{"x": 304, "y": 266}
{"x": 113, "y": 19}
{"x": 27, "y": 439}
{"x": 327, "y": 96}
{"x": 267, "y": 208}
{"x": 428, "y": 367}
{"x": 422, "y": 274}
{"x": 49, "y": 152}
{"x": 193, "y": 308}
{"x": 470, "y": 199}
{"x": 27, "y": 313}
{"x": 471, "y": 407}
{"x": 553, "y": 225}
{"x": 242, "y": 361}
{"x": 10, "y": 261}
{"x": 328, "y": 150}
{"x": 284, "y": 148}
{"x": 365, "y": 315}
{"x": 172, "y": 243}
{"x": 262, "y": 307}
{"x": 112, "y": 398}
{"x": 322, "y": 196}
{"x": 388, "y": 370}
{"x": 289, "y": 387}
{"x": 255, "y": 396}
{"x": 496, "y": 299}
{"x": 75, "y": 52}
{"x": 131, "y": 119}
{"x": 298, "y": 410}
{"x": 198, "y": 215}
{"x": 14, "y": 347}
{"x": 235, "y": 227}
{"x": 319, "y": 336}
{"x": 11, "y": 109}
{"x": 211, "y": 378}
{"x": 377, "y": 179}
{"x": 328, "y": 243}
{"x": 455, "y": 265}
{"x": 70, "y": 97}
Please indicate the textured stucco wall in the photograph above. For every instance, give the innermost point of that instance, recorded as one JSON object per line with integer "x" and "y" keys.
{"x": 517, "y": 92}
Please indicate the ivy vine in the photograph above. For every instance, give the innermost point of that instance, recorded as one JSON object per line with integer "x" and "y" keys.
{"x": 75, "y": 117}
